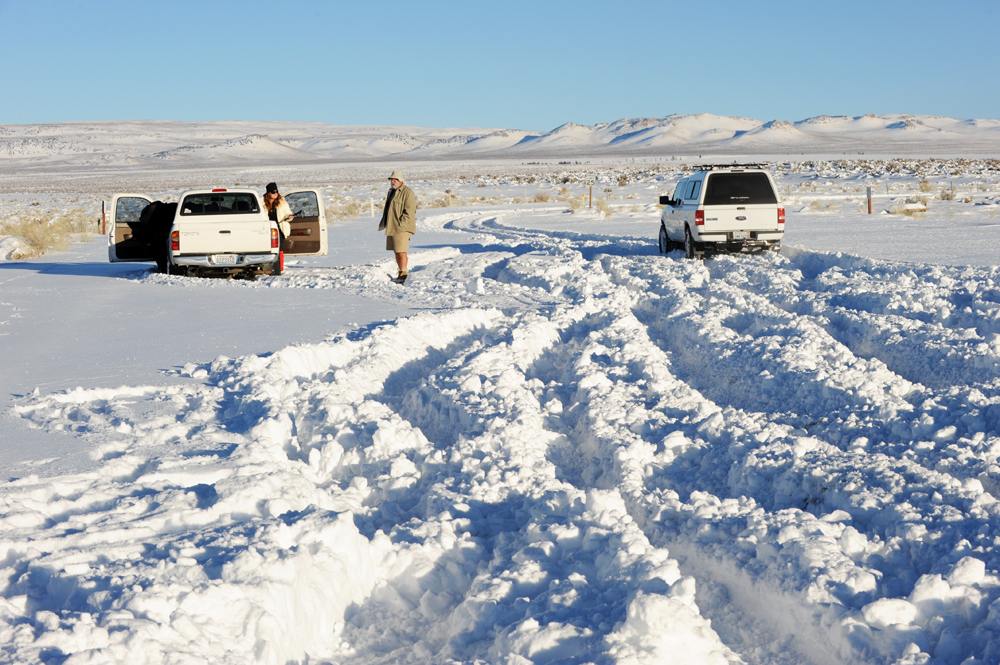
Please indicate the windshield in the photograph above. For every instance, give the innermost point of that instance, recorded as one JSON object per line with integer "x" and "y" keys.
{"x": 738, "y": 189}
{"x": 219, "y": 203}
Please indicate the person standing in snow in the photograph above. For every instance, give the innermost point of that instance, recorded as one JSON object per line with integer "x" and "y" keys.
{"x": 399, "y": 220}
{"x": 277, "y": 210}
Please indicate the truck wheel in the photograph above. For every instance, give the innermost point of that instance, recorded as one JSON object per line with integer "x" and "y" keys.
{"x": 666, "y": 245}
{"x": 276, "y": 268}
{"x": 689, "y": 249}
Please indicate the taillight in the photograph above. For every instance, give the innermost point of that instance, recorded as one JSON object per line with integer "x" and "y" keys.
{"x": 274, "y": 238}
{"x": 175, "y": 241}
{"x": 781, "y": 215}
{"x": 699, "y": 217}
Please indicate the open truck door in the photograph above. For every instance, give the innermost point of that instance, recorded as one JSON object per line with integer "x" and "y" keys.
{"x": 308, "y": 234}
{"x": 128, "y": 237}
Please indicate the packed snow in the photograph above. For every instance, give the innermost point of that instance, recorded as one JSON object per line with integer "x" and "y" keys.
{"x": 552, "y": 445}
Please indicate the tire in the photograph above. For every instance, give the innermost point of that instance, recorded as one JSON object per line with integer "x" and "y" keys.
{"x": 666, "y": 245}
{"x": 689, "y": 248}
{"x": 276, "y": 268}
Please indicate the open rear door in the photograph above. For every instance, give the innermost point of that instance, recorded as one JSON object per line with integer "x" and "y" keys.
{"x": 308, "y": 236}
{"x": 127, "y": 238}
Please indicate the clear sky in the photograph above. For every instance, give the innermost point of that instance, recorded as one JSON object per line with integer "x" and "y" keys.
{"x": 513, "y": 64}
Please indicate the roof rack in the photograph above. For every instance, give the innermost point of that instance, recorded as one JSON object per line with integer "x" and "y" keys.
{"x": 720, "y": 167}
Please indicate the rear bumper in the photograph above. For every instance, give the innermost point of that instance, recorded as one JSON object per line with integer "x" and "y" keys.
{"x": 208, "y": 261}
{"x": 756, "y": 237}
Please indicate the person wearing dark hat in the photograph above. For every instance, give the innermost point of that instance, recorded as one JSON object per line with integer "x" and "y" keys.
{"x": 399, "y": 220}
{"x": 278, "y": 210}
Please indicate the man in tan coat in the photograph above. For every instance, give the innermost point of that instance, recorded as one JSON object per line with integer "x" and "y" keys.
{"x": 399, "y": 219}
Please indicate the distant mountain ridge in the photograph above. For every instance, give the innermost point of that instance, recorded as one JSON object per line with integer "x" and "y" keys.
{"x": 156, "y": 144}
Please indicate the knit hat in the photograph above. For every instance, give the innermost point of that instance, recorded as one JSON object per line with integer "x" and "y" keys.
{"x": 396, "y": 175}
{"x": 272, "y": 188}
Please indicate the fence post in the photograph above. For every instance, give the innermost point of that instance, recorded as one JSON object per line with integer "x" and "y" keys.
{"x": 869, "y": 200}
{"x": 104, "y": 221}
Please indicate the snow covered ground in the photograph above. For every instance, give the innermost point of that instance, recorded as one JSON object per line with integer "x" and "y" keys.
{"x": 553, "y": 445}
{"x": 86, "y": 147}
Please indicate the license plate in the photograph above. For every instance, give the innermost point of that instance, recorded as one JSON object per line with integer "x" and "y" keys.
{"x": 741, "y": 235}
{"x": 224, "y": 259}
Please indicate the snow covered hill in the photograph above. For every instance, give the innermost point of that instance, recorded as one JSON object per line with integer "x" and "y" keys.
{"x": 160, "y": 144}
{"x": 553, "y": 445}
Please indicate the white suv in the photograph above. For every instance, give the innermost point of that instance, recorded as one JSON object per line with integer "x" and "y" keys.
{"x": 732, "y": 208}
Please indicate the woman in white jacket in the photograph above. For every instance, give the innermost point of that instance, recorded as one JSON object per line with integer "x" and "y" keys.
{"x": 278, "y": 211}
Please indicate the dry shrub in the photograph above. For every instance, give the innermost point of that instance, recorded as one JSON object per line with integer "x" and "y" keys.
{"x": 45, "y": 231}
{"x": 350, "y": 208}
{"x": 603, "y": 207}
{"x": 946, "y": 194}
{"x": 925, "y": 185}
{"x": 968, "y": 199}
{"x": 898, "y": 209}
{"x": 820, "y": 206}
{"x": 575, "y": 203}
{"x": 563, "y": 191}
{"x": 540, "y": 198}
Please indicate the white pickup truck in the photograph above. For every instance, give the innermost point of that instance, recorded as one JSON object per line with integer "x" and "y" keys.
{"x": 214, "y": 232}
{"x": 723, "y": 208}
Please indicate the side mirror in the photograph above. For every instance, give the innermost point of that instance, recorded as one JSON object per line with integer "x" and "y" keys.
{"x": 666, "y": 201}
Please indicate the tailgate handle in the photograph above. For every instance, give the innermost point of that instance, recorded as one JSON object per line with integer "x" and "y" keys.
{"x": 303, "y": 232}
{"x": 225, "y": 232}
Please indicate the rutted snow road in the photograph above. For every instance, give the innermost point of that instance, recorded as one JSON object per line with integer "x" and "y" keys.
{"x": 582, "y": 452}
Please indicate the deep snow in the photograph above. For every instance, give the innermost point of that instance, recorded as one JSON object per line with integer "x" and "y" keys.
{"x": 552, "y": 445}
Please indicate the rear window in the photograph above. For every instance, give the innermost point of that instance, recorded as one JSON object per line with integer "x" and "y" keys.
{"x": 738, "y": 189}
{"x": 219, "y": 203}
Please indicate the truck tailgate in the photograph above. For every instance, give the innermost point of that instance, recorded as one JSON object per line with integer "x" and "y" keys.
{"x": 741, "y": 218}
{"x": 224, "y": 236}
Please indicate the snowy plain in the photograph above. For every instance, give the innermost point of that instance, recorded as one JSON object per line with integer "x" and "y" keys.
{"x": 553, "y": 445}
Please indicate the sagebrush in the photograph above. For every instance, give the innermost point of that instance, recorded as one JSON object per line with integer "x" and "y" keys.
{"x": 44, "y": 231}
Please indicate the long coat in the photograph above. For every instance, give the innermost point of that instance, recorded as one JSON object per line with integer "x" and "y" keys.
{"x": 284, "y": 212}
{"x": 400, "y": 213}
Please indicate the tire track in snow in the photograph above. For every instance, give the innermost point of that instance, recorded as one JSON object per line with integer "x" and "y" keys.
{"x": 490, "y": 481}
{"x": 933, "y": 325}
{"x": 607, "y": 427}
{"x": 913, "y": 472}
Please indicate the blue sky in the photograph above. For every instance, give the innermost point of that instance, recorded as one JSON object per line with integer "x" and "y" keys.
{"x": 515, "y": 64}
